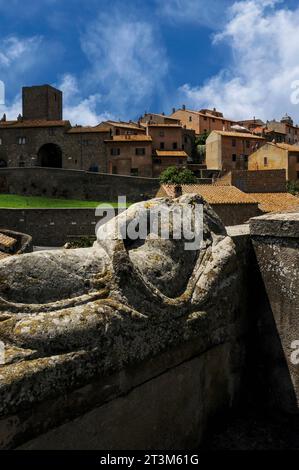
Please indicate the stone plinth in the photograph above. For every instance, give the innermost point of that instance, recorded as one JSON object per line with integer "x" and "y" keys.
{"x": 276, "y": 242}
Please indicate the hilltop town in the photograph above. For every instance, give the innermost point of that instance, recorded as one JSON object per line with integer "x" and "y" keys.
{"x": 109, "y": 343}
{"x": 242, "y": 169}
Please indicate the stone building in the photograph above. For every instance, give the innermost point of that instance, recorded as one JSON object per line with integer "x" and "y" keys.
{"x": 226, "y": 151}
{"x": 41, "y": 138}
{"x": 130, "y": 155}
{"x": 153, "y": 118}
{"x": 277, "y": 156}
{"x": 287, "y": 128}
{"x": 203, "y": 121}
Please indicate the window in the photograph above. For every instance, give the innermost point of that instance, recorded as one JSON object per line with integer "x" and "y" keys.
{"x": 162, "y": 146}
{"x": 140, "y": 151}
{"x": 22, "y": 140}
{"x": 247, "y": 144}
{"x": 134, "y": 171}
{"x": 114, "y": 170}
{"x": 115, "y": 151}
{"x": 234, "y": 157}
{"x": 205, "y": 118}
{"x": 246, "y": 158}
{"x": 265, "y": 161}
{"x": 213, "y": 120}
{"x": 186, "y": 139}
{"x": 162, "y": 133}
{"x": 190, "y": 118}
{"x": 174, "y": 145}
{"x": 234, "y": 142}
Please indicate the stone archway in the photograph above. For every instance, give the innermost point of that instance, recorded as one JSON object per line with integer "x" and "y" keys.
{"x": 50, "y": 156}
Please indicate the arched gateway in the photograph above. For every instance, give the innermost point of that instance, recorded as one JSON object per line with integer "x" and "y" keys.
{"x": 50, "y": 156}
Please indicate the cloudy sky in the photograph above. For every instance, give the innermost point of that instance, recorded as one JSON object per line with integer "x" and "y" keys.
{"x": 117, "y": 59}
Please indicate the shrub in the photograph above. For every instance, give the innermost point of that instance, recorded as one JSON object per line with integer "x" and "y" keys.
{"x": 174, "y": 175}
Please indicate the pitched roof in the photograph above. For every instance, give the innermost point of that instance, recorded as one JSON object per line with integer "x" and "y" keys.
{"x": 289, "y": 147}
{"x": 28, "y": 123}
{"x": 211, "y": 193}
{"x": 161, "y": 115}
{"x": 198, "y": 113}
{"x": 124, "y": 125}
{"x": 243, "y": 135}
{"x": 276, "y": 202}
{"x": 88, "y": 130}
{"x": 171, "y": 153}
{"x": 162, "y": 125}
{"x": 130, "y": 138}
{"x": 6, "y": 241}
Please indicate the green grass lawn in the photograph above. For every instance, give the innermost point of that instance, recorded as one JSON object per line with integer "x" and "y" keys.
{"x": 12, "y": 201}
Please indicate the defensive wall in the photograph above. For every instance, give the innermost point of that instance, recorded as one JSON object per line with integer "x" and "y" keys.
{"x": 75, "y": 184}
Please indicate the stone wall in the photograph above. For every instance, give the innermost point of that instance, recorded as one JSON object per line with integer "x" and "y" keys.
{"x": 275, "y": 239}
{"x": 51, "y": 227}
{"x": 259, "y": 181}
{"x": 236, "y": 214}
{"x": 72, "y": 184}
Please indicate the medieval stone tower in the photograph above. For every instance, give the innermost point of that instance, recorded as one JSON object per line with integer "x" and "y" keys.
{"x": 42, "y": 102}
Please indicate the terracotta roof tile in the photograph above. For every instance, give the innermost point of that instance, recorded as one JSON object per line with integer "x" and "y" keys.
{"x": 88, "y": 130}
{"x": 189, "y": 111}
{"x": 6, "y": 241}
{"x": 290, "y": 148}
{"x": 163, "y": 125}
{"x": 211, "y": 193}
{"x": 171, "y": 153}
{"x": 32, "y": 123}
{"x": 124, "y": 125}
{"x": 276, "y": 202}
{"x": 242, "y": 135}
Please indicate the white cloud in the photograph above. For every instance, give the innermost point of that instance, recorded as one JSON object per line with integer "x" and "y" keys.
{"x": 263, "y": 44}
{"x": 80, "y": 110}
{"x": 198, "y": 12}
{"x": 18, "y": 53}
{"x": 127, "y": 62}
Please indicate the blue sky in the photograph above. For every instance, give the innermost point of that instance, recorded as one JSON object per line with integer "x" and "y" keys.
{"x": 117, "y": 59}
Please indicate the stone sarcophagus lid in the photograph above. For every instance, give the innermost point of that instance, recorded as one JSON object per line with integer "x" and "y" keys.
{"x": 132, "y": 343}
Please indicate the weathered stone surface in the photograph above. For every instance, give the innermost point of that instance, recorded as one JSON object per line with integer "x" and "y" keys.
{"x": 275, "y": 239}
{"x": 277, "y": 225}
{"x": 70, "y": 318}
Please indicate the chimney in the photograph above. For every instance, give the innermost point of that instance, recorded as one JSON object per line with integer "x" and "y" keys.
{"x": 173, "y": 110}
{"x": 177, "y": 191}
{"x": 184, "y": 107}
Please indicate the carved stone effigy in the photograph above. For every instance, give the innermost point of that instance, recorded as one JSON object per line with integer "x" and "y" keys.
{"x": 69, "y": 318}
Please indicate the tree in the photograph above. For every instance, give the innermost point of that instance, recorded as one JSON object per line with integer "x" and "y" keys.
{"x": 174, "y": 175}
{"x": 202, "y": 138}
